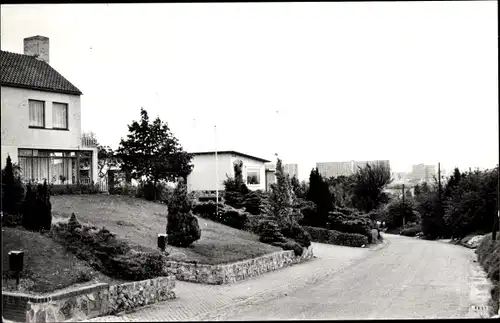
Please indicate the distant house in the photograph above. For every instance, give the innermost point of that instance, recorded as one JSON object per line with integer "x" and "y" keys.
{"x": 41, "y": 119}
{"x": 203, "y": 177}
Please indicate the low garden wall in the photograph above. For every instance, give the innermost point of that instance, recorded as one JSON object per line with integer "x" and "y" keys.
{"x": 233, "y": 272}
{"x": 86, "y": 302}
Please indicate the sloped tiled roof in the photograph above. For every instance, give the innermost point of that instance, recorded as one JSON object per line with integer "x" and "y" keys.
{"x": 26, "y": 71}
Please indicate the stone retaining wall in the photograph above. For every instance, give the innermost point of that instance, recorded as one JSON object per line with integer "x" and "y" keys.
{"x": 86, "y": 302}
{"x": 233, "y": 272}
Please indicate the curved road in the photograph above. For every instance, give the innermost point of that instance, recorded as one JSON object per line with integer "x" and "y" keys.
{"x": 409, "y": 278}
{"x": 405, "y": 278}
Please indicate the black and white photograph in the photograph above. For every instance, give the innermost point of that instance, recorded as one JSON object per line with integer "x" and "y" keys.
{"x": 249, "y": 161}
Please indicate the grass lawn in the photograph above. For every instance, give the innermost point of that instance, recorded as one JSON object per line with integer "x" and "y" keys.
{"x": 48, "y": 266}
{"x": 139, "y": 222}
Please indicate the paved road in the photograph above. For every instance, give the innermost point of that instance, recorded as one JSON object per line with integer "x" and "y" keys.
{"x": 407, "y": 278}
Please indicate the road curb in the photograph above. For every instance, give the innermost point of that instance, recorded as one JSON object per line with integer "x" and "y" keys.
{"x": 479, "y": 296}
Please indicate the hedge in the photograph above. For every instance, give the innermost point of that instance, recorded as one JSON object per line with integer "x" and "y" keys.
{"x": 488, "y": 255}
{"x": 337, "y": 238}
{"x": 105, "y": 253}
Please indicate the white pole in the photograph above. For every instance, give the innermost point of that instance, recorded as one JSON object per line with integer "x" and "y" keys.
{"x": 216, "y": 171}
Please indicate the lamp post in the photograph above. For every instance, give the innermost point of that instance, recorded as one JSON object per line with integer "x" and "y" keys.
{"x": 216, "y": 174}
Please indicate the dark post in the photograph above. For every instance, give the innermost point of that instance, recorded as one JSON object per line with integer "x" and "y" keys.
{"x": 16, "y": 262}
{"x": 497, "y": 218}
{"x": 162, "y": 241}
{"x": 439, "y": 181}
{"x": 403, "y": 206}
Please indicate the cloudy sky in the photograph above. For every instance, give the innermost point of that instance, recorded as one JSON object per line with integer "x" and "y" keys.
{"x": 412, "y": 82}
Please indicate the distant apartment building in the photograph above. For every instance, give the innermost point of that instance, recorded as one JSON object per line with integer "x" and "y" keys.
{"x": 423, "y": 172}
{"x": 291, "y": 169}
{"x": 335, "y": 169}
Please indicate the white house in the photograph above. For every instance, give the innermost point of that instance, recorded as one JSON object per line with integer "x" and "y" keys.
{"x": 41, "y": 118}
{"x": 203, "y": 177}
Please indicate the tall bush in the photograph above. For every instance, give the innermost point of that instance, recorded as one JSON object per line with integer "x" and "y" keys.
{"x": 36, "y": 208}
{"x": 235, "y": 188}
{"x": 12, "y": 188}
{"x": 318, "y": 193}
{"x": 182, "y": 226}
{"x": 281, "y": 198}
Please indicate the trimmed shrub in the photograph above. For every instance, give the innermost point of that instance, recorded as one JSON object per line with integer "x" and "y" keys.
{"x": 137, "y": 265}
{"x": 147, "y": 190}
{"x": 350, "y": 223}
{"x": 123, "y": 189}
{"x": 207, "y": 210}
{"x": 269, "y": 232}
{"x": 101, "y": 249}
{"x": 411, "y": 230}
{"x": 12, "y": 220}
{"x": 228, "y": 215}
{"x": 290, "y": 245}
{"x": 252, "y": 202}
{"x": 37, "y": 209}
{"x": 182, "y": 226}
{"x": 297, "y": 233}
{"x": 72, "y": 189}
{"x": 336, "y": 237}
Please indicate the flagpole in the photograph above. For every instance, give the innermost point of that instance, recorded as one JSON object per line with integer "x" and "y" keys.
{"x": 216, "y": 172}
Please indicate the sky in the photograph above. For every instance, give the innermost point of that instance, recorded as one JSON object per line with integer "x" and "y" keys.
{"x": 409, "y": 82}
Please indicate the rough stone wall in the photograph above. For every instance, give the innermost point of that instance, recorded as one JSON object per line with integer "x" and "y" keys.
{"x": 87, "y": 302}
{"x": 230, "y": 273}
{"x": 125, "y": 297}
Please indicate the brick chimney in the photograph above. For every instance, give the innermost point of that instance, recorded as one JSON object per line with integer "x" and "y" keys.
{"x": 37, "y": 46}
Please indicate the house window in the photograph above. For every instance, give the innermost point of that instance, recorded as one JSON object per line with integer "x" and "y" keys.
{"x": 59, "y": 115}
{"x": 37, "y": 113}
{"x": 253, "y": 176}
{"x": 57, "y": 167}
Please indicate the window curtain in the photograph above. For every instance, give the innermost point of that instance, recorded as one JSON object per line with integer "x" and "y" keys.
{"x": 37, "y": 113}
{"x": 41, "y": 169}
{"x": 26, "y": 169}
{"x": 59, "y": 115}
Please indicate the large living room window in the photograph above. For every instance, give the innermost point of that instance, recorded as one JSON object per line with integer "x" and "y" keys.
{"x": 57, "y": 167}
{"x": 59, "y": 115}
{"x": 253, "y": 176}
{"x": 37, "y": 113}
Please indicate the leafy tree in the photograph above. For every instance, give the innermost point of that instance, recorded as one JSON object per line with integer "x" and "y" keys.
{"x": 299, "y": 189}
{"x": 452, "y": 183}
{"x": 369, "y": 183}
{"x": 318, "y": 193}
{"x": 182, "y": 226}
{"x": 417, "y": 190}
{"x": 399, "y": 213}
{"x": 281, "y": 198}
{"x": 473, "y": 203}
{"x": 106, "y": 159}
{"x": 431, "y": 210}
{"x": 341, "y": 188}
{"x": 426, "y": 188}
{"x": 152, "y": 151}
{"x": 12, "y": 187}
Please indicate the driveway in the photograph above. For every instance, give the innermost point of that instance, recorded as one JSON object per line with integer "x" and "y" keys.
{"x": 406, "y": 278}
